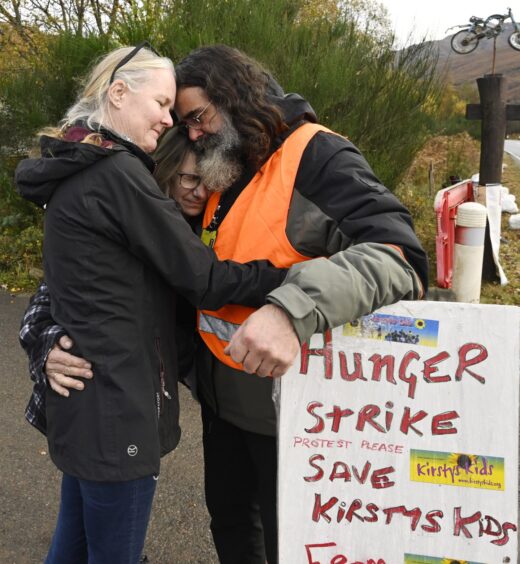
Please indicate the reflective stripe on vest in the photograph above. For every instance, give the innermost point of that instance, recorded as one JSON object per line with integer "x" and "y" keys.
{"x": 253, "y": 229}
{"x": 222, "y": 329}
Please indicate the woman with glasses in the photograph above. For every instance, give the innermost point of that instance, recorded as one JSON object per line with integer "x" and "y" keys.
{"x": 114, "y": 247}
{"x": 177, "y": 175}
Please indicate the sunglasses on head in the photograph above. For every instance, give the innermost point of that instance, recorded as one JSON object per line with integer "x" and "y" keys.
{"x": 130, "y": 56}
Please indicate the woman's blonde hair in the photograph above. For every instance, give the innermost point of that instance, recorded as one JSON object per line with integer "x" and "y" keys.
{"x": 91, "y": 106}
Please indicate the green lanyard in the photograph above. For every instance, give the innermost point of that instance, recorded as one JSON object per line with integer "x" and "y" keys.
{"x": 209, "y": 233}
{"x": 227, "y": 199}
{"x": 209, "y": 237}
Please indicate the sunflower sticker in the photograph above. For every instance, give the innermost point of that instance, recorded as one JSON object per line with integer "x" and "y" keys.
{"x": 394, "y": 328}
{"x": 416, "y": 559}
{"x": 457, "y": 469}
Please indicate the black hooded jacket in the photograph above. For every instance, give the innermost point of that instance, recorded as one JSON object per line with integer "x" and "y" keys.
{"x": 114, "y": 247}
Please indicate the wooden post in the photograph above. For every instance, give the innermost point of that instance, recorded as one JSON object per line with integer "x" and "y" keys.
{"x": 494, "y": 54}
{"x": 492, "y": 101}
{"x": 494, "y": 114}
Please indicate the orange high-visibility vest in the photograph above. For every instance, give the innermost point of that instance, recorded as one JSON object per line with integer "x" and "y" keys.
{"x": 254, "y": 228}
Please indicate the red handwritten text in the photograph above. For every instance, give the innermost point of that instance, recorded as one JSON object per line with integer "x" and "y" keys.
{"x": 313, "y": 549}
{"x": 342, "y": 471}
{"x": 320, "y": 443}
{"x": 333, "y": 510}
{"x": 441, "y": 424}
{"x": 469, "y": 355}
{"x": 382, "y": 447}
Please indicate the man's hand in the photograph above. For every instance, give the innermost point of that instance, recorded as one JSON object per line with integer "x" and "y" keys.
{"x": 61, "y": 365}
{"x": 266, "y": 343}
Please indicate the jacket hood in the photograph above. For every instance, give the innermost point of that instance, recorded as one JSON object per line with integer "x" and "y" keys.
{"x": 294, "y": 107}
{"x": 37, "y": 178}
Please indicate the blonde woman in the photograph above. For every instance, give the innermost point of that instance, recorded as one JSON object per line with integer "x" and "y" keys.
{"x": 114, "y": 247}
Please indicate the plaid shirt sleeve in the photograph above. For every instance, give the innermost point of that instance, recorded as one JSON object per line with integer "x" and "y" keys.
{"x": 38, "y": 334}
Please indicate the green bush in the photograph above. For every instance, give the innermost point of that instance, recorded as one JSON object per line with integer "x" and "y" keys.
{"x": 356, "y": 83}
{"x": 20, "y": 258}
{"x": 21, "y": 236}
{"x": 52, "y": 82}
{"x": 38, "y": 95}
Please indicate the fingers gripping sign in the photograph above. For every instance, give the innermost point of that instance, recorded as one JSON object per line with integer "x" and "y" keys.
{"x": 63, "y": 369}
{"x": 266, "y": 343}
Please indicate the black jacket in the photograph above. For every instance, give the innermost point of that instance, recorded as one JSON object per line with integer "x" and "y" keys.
{"x": 113, "y": 247}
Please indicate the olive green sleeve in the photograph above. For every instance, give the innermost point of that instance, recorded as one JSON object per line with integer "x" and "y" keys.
{"x": 323, "y": 293}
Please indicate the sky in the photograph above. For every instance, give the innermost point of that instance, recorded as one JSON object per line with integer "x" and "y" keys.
{"x": 433, "y": 17}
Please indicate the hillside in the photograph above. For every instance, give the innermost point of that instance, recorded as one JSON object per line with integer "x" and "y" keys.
{"x": 465, "y": 69}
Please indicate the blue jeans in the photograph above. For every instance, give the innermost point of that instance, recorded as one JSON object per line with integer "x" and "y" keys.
{"x": 101, "y": 522}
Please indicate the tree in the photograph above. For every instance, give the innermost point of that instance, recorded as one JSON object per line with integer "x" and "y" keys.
{"x": 75, "y": 17}
{"x": 369, "y": 16}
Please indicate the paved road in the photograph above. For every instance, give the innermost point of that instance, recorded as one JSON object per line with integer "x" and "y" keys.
{"x": 29, "y": 482}
{"x": 512, "y": 147}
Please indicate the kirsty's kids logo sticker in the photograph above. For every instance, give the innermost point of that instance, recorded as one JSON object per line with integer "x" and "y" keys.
{"x": 416, "y": 559}
{"x": 457, "y": 469}
{"x": 395, "y": 328}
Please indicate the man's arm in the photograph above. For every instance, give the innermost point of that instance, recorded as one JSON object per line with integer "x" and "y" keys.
{"x": 371, "y": 255}
{"x": 46, "y": 344}
{"x": 320, "y": 294}
{"x": 325, "y": 293}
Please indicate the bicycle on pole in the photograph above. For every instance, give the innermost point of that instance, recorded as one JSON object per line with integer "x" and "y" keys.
{"x": 466, "y": 40}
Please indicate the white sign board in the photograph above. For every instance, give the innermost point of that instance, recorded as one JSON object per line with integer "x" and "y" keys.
{"x": 398, "y": 439}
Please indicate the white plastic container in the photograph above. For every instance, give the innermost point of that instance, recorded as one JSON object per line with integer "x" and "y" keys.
{"x": 514, "y": 221}
{"x": 470, "y": 228}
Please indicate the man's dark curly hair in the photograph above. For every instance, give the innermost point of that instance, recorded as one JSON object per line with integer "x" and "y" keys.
{"x": 239, "y": 85}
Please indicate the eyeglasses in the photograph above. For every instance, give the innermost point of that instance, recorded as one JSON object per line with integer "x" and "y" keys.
{"x": 189, "y": 181}
{"x": 130, "y": 56}
{"x": 195, "y": 122}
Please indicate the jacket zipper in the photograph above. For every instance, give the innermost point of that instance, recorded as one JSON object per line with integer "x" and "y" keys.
{"x": 164, "y": 392}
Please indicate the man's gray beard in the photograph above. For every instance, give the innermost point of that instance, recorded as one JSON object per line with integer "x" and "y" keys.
{"x": 218, "y": 161}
